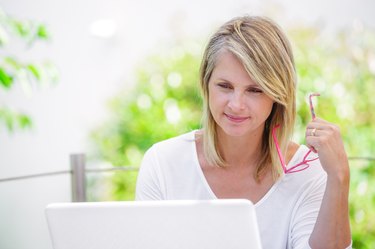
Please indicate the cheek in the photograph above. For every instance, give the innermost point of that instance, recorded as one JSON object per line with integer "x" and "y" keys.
{"x": 213, "y": 103}
{"x": 262, "y": 106}
{"x": 267, "y": 107}
{"x": 216, "y": 100}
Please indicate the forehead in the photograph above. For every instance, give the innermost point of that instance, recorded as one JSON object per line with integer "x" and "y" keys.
{"x": 229, "y": 67}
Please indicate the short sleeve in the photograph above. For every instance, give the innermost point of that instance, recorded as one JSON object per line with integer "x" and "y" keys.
{"x": 149, "y": 178}
{"x": 306, "y": 212}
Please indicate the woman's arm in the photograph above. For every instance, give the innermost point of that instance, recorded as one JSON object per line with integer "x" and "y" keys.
{"x": 332, "y": 228}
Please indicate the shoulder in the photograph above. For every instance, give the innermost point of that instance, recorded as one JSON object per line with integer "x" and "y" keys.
{"x": 314, "y": 171}
{"x": 172, "y": 148}
{"x": 175, "y": 143}
{"x": 291, "y": 151}
{"x": 171, "y": 158}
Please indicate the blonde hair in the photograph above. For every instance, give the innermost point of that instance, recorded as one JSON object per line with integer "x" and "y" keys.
{"x": 266, "y": 54}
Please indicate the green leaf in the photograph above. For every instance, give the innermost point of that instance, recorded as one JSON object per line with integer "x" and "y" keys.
{"x": 23, "y": 29}
{"x": 24, "y": 121}
{"x": 34, "y": 70}
{"x": 12, "y": 120}
{"x": 6, "y": 117}
{"x": 5, "y": 79}
{"x": 13, "y": 63}
{"x": 42, "y": 32}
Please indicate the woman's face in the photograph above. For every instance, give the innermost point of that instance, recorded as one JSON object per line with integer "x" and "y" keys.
{"x": 238, "y": 104}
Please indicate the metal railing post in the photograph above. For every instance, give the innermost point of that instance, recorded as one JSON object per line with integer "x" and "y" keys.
{"x": 78, "y": 184}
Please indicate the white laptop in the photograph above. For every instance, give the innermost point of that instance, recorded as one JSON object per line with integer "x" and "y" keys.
{"x": 213, "y": 224}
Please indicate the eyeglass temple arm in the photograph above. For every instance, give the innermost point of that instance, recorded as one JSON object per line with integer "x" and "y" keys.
{"x": 278, "y": 148}
{"x": 311, "y": 104}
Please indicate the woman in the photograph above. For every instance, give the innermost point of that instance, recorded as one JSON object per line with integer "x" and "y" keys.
{"x": 248, "y": 83}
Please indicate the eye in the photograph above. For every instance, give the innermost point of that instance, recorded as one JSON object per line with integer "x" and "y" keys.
{"x": 224, "y": 85}
{"x": 255, "y": 90}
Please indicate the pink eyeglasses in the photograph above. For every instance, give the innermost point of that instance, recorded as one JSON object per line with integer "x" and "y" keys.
{"x": 304, "y": 164}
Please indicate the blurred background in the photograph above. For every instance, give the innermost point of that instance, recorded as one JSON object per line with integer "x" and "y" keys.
{"x": 109, "y": 78}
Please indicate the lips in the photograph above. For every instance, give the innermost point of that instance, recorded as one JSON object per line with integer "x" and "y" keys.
{"x": 236, "y": 119}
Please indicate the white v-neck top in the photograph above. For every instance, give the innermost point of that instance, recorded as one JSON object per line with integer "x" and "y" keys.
{"x": 286, "y": 214}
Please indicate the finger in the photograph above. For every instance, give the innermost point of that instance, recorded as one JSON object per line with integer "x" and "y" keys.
{"x": 318, "y": 129}
{"x": 314, "y": 137}
{"x": 315, "y": 132}
{"x": 311, "y": 132}
{"x": 313, "y": 149}
{"x": 313, "y": 143}
{"x": 318, "y": 123}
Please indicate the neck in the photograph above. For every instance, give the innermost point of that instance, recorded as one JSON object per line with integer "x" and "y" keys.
{"x": 240, "y": 151}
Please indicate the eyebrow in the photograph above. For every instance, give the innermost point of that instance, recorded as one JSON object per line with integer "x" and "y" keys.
{"x": 223, "y": 79}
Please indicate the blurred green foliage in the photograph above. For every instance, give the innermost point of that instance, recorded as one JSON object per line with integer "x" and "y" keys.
{"x": 164, "y": 102}
{"x": 13, "y": 70}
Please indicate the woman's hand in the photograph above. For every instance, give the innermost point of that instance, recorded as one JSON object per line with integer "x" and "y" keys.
{"x": 325, "y": 139}
{"x": 332, "y": 228}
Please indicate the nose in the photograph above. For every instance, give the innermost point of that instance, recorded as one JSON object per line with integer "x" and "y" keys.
{"x": 237, "y": 101}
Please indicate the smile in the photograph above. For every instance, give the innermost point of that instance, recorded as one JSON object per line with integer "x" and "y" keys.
{"x": 236, "y": 119}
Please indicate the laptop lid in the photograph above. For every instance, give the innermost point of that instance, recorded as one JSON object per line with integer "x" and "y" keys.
{"x": 211, "y": 224}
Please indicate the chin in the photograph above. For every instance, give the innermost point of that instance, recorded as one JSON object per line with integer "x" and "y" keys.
{"x": 235, "y": 131}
